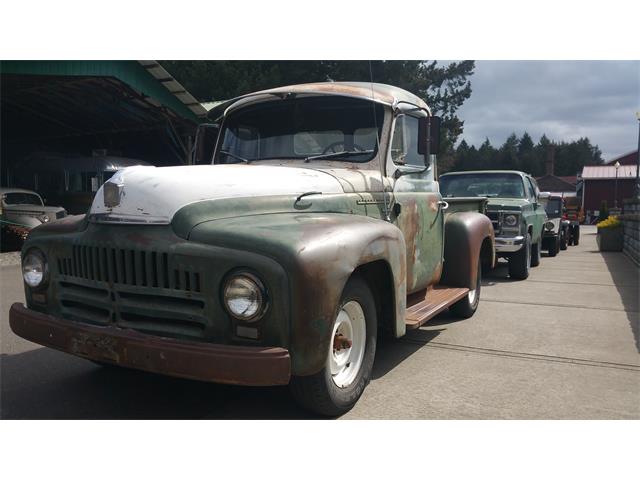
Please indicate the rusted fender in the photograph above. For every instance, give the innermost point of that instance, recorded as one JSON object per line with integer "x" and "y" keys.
{"x": 319, "y": 252}
{"x": 468, "y": 237}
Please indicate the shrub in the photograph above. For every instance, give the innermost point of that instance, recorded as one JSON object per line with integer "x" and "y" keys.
{"x": 611, "y": 222}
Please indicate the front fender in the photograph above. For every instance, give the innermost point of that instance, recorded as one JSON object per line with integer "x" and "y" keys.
{"x": 465, "y": 235}
{"x": 319, "y": 252}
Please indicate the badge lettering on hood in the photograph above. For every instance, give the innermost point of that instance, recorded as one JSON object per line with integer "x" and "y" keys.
{"x": 112, "y": 192}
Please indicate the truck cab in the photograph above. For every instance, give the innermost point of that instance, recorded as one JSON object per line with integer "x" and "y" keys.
{"x": 514, "y": 207}
{"x": 316, "y": 224}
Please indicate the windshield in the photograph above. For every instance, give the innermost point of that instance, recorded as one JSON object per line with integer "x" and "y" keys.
{"x": 503, "y": 185}
{"x": 553, "y": 207}
{"x": 20, "y": 198}
{"x": 336, "y": 128}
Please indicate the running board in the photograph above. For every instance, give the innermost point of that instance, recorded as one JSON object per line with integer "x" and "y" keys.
{"x": 426, "y": 304}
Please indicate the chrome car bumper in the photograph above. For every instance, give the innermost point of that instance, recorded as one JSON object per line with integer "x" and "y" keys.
{"x": 509, "y": 244}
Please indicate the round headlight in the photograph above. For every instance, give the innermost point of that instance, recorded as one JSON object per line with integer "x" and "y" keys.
{"x": 549, "y": 225}
{"x": 34, "y": 268}
{"x": 244, "y": 297}
{"x": 44, "y": 218}
{"x": 510, "y": 220}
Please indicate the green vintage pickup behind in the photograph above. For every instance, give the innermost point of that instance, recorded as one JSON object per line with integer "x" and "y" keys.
{"x": 515, "y": 210}
{"x": 317, "y": 226}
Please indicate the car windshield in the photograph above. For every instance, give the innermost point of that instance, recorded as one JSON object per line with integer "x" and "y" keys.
{"x": 21, "y": 198}
{"x": 310, "y": 128}
{"x": 553, "y": 207}
{"x": 503, "y": 185}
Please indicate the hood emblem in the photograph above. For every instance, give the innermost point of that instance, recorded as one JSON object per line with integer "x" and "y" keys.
{"x": 111, "y": 193}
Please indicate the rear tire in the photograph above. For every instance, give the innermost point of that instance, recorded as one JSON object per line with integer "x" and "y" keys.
{"x": 520, "y": 261}
{"x": 576, "y": 235}
{"x": 466, "y": 307}
{"x": 563, "y": 240}
{"x": 336, "y": 388}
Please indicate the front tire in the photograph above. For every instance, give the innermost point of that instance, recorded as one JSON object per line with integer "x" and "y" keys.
{"x": 520, "y": 261}
{"x": 336, "y": 388}
{"x": 554, "y": 247}
{"x": 536, "y": 253}
{"x": 466, "y": 307}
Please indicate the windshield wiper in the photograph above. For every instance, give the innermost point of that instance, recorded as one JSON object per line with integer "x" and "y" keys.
{"x": 233, "y": 155}
{"x": 343, "y": 153}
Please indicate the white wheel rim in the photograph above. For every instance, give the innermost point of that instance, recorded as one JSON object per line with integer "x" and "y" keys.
{"x": 346, "y": 349}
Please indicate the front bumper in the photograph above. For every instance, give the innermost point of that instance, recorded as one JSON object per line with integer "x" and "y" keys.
{"x": 509, "y": 244}
{"x": 239, "y": 365}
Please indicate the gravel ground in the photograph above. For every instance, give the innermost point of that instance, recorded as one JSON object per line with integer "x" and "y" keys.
{"x": 9, "y": 258}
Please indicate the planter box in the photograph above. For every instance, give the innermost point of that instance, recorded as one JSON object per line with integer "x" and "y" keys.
{"x": 610, "y": 239}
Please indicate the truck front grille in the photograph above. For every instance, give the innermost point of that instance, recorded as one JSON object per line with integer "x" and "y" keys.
{"x": 144, "y": 290}
{"x": 128, "y": 267}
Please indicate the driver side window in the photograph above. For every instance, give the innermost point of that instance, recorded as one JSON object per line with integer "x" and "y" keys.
{"x": 404, "y": 143}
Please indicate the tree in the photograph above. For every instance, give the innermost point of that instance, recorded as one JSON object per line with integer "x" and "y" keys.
{"x": 526, "y": 153}
{"x": 522, "y": 154}
{"x": 508, "y": 154}
{"x": 444, "y": 88}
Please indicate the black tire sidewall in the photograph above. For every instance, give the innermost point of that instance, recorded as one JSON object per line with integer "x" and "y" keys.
{"x": 520, "y": 263}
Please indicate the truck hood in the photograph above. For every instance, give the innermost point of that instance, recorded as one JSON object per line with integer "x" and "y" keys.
{"x": 154, "y": 195}
{"x": 506, "y": 204}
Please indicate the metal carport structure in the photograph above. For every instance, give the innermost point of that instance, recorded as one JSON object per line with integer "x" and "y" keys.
{"x": 135, "y": 108}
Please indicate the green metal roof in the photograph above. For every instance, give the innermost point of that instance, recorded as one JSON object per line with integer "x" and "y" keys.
{"x": 130, "y": 72}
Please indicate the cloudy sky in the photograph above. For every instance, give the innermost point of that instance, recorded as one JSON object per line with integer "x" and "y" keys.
{"x": 564, "y": 99}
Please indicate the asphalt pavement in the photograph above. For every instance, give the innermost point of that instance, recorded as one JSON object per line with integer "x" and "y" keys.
{"x": 564, "y": 344}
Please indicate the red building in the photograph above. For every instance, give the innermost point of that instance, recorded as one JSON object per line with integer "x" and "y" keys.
{"x": 608, "y": 183}
{"x": 630, "y": 158}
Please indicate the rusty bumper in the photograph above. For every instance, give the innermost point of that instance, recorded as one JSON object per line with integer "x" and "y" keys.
{"x": 239, "y": 365}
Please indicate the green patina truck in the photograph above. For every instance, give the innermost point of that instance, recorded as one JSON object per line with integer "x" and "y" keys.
{"x": 514, "y": 207}
{"x": 316, "y": 225}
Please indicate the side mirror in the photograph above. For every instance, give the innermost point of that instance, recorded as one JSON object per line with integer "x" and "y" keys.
{"x": 206, "y": 137}
{"x": 429, "y": 136}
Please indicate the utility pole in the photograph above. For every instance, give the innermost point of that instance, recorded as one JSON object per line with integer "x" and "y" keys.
{"x": 638, "y": 162}
{"x": 615, "y": 194}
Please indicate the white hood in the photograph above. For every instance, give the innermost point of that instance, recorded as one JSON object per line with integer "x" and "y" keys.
{"x": 154, "y": 195}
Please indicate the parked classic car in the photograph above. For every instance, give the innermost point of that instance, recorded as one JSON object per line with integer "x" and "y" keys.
{"x": 20, "y": 211}
{"x": 514, "y": 209}
{"x": 556, "y": 228}
{"x": 575, "y": 216}
{"x": 318, "y": 224}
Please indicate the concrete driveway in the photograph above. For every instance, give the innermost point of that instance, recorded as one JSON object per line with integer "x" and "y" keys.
{"x": 563, "y": 344}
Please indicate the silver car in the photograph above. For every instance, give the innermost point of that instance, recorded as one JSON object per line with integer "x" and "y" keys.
{"x": 21, "y": 210}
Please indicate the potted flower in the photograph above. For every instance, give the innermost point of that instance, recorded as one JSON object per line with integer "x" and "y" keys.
{"x": 610, "y": 235}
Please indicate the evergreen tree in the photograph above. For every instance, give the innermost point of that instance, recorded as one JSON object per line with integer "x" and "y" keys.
{"x": 526, "y": 153}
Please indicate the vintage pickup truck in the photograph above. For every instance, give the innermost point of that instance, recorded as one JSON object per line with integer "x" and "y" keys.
{"x": 514, "y": 208}
{"x": 556, "y": 229}
{"x": 318, "y": 224}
